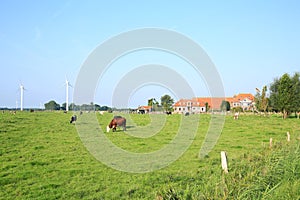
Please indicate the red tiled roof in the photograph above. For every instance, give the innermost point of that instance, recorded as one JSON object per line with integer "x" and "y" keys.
{"x": 145, "y": 107}
{"x": 244, "y": 96}
{"x": 213, "y": 102}
{"x": 194, "y": 102}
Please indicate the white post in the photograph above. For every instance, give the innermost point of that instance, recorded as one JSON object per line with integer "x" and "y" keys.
{"x": 288, "y": 136}
{"x": 67, "y": 95}
{"x": 224, "y": 161}
{"x": 21, "y": 91}
{"x": 271, "y": 141}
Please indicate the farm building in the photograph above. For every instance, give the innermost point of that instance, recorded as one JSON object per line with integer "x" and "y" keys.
{"x": 203, "y": 104}
{"x": 245, "y": 101}
{"x": 189, "y": 105}
{"x": 144, "y": 109}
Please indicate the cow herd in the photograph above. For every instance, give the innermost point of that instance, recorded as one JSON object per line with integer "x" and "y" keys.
{"x": 119, "y": 121}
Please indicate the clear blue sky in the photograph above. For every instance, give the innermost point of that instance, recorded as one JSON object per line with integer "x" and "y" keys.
{"x": 41, "y": 42}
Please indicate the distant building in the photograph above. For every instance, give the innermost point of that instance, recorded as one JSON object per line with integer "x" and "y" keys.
{"x": 245, "y": 101}
{"x": 144, "y": 109}
{"x": 189, "y": 105}
{"x": 204, "y": 104}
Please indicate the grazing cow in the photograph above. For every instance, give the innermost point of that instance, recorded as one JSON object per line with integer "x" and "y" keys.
{"x": 169, "y": 113}
{"x": 101, "y": 112}
{"x": 141, "y": 112}
{"x": 12, "y": 112}
{"x": 236, "y": 115}
{"x": 73, "y": 119}
{"x": 116, "y": 121}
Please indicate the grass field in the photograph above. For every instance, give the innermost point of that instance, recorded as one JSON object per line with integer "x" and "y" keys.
{"x": 42, "y": 157}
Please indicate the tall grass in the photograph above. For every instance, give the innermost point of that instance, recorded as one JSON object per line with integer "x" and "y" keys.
{"x": 42, "y": 157}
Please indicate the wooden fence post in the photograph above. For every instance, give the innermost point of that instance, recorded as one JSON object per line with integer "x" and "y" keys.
{"x": 224, "y": 161}
{"x": 288, "y": 136}
{"x": 271, "y": 141}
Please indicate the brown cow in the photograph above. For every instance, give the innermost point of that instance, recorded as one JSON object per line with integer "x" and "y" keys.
{"x": 116, "y": 121}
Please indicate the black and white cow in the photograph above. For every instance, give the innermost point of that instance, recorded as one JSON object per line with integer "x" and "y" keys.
{"x": 73, "y": 119}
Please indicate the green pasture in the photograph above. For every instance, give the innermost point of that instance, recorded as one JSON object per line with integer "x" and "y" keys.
{"x": 43, "y": 157}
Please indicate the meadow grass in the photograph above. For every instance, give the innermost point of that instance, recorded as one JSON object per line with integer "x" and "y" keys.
{"x": 42, "y": 157}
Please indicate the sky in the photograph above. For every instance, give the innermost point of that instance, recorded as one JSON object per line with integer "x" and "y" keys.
{"x": 44, "y": 42}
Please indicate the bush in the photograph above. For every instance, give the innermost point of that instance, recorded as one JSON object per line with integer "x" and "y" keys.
{"x": 237, "y": 109}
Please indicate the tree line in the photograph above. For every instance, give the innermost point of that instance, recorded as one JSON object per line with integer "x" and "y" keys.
{"x": 52, "y": 105}
{"x": 166, "y": 105}
{"x": 284, "y": 96}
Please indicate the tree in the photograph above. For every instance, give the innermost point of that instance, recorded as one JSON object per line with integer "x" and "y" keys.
{"x": 225, "y": 106}
{"x": 104, "y": 108}
{"x": 264, "y": 100}
{"x": 257, "y": 99}
{"x": 63, "y": 106}
{"x": 73, "y": 106}
{"x": 296, "y": 89}
{"x": 261, "y": 100}
{"x": 167, "y": 102}
{"x": 52, "y": 105}
{"x": 283, "y": 94}
{"x": 150, "y": 102}
{"x": 153, "y": 103}
{"x": 207, "y": 107}
{"x": 97, "y": 107}
{"x": 88, "y": 107}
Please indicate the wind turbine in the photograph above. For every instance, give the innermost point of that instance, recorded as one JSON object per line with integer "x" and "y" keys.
{"x": 67, "y": 94}
{"x": 21, "y": 96}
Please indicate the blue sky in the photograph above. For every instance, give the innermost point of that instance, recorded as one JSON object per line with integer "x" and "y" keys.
{"x": 42, "y": 42}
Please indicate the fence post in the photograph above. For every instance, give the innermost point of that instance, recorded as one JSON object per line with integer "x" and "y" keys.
{"x": 224, "y": 161}
{"x": 271, "y": 141}
{"x": 288, "y": 136}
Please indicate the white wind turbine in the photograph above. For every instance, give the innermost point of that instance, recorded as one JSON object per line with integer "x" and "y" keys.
{"x": 67, "y": 94}
{"x": 21, "y": 96}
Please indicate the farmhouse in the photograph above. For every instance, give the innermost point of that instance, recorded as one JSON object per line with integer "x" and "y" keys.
{"x": 245, "y": 101}
{"x": 204, "y": 104}
{"x": 189, "y": 105}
